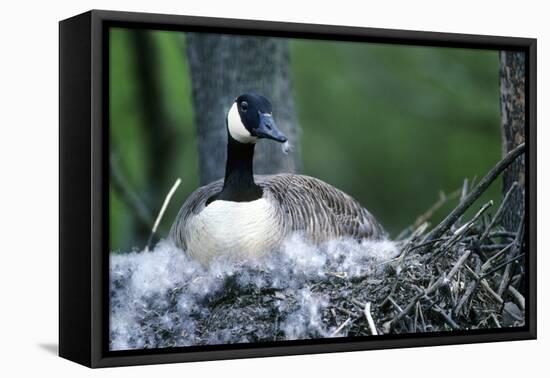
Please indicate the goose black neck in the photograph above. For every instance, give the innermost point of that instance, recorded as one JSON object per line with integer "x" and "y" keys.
{"x": 238, "y": 167}
{"x": 239, "y": 185}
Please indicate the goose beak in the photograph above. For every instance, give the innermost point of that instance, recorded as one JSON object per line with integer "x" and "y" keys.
{"x": 268, "y": 129}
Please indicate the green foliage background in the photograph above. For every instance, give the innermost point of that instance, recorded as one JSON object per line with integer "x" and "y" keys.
{"x": 391, "y": 125}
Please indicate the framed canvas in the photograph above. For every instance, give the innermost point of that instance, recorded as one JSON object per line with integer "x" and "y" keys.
{"x": 235, "y": 188}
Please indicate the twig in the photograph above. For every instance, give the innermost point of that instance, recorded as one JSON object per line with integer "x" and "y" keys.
{"x": 161, "y": 212}
{"x": 337, "y": 331}
{"x": 468, "y": 225}
{"x": 421, "y": 317}
{"x": 394, "y": 304}
{"x": 461, "y": 231}
{"x": 457, "y": 266}
{"x": 485, "y": 285}
{"x": 416, "y": 317}
{"x": 494, "y": 317}
{"x": 492, "y": 247}
{"x": 520, "y": 299}
{"x": 464, "y": 191}
{"x": 347, "y": 312}
{"x": 490, "y": 290}
{"x": 358, "y": 303}
{"x": 426, "y": 244}
{"x": 502, "y": 265}
{"x": 499, "y": 212}
{"x": 463, "y": 195}
{"x": 368, "y": 315}
{"x": 426, "y": 292}
{"x": 445, "y": 316}
{"x": 507, "y": 275}
{"x": 480, "y": 188}
{"x": 443, "y": 199}
{"x": 466, "y": 299}
{"x": 490, "y": 260}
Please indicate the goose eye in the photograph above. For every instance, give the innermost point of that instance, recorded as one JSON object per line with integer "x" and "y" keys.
{"x": 244, "y": 106}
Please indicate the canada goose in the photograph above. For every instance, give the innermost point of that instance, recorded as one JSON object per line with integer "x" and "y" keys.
{"x": 245, "y": 215}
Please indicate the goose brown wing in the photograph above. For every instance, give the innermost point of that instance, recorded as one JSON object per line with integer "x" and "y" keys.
{"x": 194, "y": 204}
{"x": 318, "y": 209}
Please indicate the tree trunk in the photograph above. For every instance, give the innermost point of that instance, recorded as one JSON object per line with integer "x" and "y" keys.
{"x": 225, "y": 66}
{"x": 512, "y": 110}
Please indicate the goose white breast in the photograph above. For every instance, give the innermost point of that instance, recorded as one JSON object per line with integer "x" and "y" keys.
{"x": 235, "y": 229}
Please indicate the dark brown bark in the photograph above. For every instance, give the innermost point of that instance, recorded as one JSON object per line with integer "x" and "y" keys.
{"x": 225, "y": 66}
{"x": 512, "y": 102}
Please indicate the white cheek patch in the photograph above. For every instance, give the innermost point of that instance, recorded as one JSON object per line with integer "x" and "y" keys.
{"x": 236, "y": 127}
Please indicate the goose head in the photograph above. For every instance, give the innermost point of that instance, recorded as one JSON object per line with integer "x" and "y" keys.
{"x": 250, "y": 118}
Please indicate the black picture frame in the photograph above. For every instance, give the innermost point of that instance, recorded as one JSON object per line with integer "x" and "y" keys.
{"x": 83, "y": 195}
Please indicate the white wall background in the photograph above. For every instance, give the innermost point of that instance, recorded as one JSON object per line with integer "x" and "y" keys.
{"x": 29, "y": 188}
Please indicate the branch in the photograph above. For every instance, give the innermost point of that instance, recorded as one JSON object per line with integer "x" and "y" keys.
{"x": 161, "y": 213}
{"x": 499, "y": 212}
{"x": 480, "y": 188}
{"x": 368, "y": 315}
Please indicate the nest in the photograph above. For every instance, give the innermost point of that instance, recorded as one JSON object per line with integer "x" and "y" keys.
{"x": 469, "y": 278}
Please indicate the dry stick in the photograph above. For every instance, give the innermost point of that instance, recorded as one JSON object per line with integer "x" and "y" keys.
{"x": 161, "y": 213}
{"x": 463, "y": 195}
{"x": 462, "y": 230}
{"x": 418, "y": 231}
{"x": 347, "y": 312}
{"x": 499, "y": 212}
{"x": 384, "y": 303}
{"x": 426, "y": 244}
{"x": 513, "y": 314}
{"x": 394, "y": 304}
{"x": 358, "y": 303}
{"x": 443, "y": 199}
{"x": 494, "y": 317}
{"x": 368, "y": 315}
{"x": 507, "y": 275}
{"x": 422, "y": 219}
{"x": 520, "y": 299}
{"x": 426, "y": 292}
{"x": 470, "y": 290}
{"x": 416, "y": 317}
{"x": 502, "y": 265}
{"x": 480, "y": 188}
{"x": 485, "y": 285}
{"x": 490, "y": 290}
{"x": 421, "y": 317}
{"x": 469, "y": 224}
{"x": 445, "y": 316}
{"x": 466, "y": 296}
{"x": 457, "y": 266}
{"x": 464, "y": 192}
{"x": 490, "y": 260}
{"x": 502, "y": 234}
{"x": 337, "y": 331}
{"x": 407, "y": 243}
{"x": 492, "y": 247}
